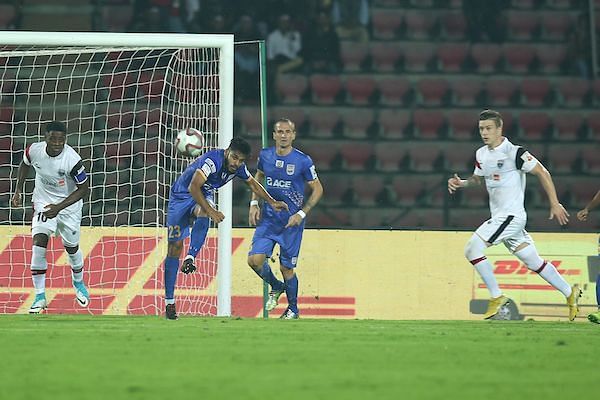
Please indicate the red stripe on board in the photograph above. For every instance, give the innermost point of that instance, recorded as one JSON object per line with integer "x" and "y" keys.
{"x": 195, "y": 305}
{"x": 10, "y": 302}
{"x": 66, "y": 304}
{"x": 206, "y": 262}
{"x": 516, "y": 286}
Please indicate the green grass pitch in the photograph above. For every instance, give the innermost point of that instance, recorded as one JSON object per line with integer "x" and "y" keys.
{"x": 85, "y": 357}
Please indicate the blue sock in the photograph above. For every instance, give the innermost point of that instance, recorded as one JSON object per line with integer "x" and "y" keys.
{"x": 267, "y": 275}
{"x": 171, "y": 268}
{"x": 598, "y": 290}
{"x": 291, "y": 292}
{"x": 198, "y": 235}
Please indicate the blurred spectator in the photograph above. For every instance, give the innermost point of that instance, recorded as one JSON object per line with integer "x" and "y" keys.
{"x": 322, "y": 47}
{"x": 246, "y": 61}
{"x": 158, "y": 16}
{"x": 216, "y": 25}
{"x": 485, "y": 18}
{"x": 283, "y": 46}
{"x": 351, "y": 18}
{"x": 579, "y": 48}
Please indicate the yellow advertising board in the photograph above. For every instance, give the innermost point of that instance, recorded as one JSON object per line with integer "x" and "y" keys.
{"x": 342, "y": 274}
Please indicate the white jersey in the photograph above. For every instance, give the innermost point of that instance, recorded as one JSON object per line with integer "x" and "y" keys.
{"x": 55, "y": 177}
{"x": 504, "y": 169}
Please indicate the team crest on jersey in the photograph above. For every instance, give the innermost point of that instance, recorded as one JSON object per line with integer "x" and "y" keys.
{"x": 496, "y": 177}
{"x": 500, "y": 163}
{"x": 290, "y": 169}
{"x": 278, "y": 163}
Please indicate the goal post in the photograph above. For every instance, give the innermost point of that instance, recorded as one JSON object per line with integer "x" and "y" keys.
{"x": 125, "y": 95}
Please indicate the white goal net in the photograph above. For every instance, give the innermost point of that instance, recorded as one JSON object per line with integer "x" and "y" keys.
{"x": 123, "y": 99}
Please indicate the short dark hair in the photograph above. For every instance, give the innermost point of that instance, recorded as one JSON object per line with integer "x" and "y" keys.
{"x": 240, "y": 145}
{"x": 287, "y": 121}
{"x": 56, "y": 126}
{"x": 493, "y": 115}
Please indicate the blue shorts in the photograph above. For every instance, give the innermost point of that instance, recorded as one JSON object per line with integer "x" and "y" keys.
{"x": 289, "y": 239}
{"x": 180, "y": 216}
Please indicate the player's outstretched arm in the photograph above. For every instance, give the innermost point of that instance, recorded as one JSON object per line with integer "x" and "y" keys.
{"x": 260, "y": 191}
{"x": 315, "y": 195}
{"x": 456, "y": 182}
{"x": 583, "y": 214}
{"x": 254, "y": 210}
{"x": 82, "y": 190}
{"x": 195, "y": 190}
{"x": 556, "y": 209}
{"x": 16, "y": 200}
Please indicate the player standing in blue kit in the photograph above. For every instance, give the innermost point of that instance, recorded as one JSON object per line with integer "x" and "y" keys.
{"x": 285, "y": 170}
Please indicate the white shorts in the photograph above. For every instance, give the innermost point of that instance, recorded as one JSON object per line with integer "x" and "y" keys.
{"x": 509, "y": 230}
{"x": 67, "y": 225}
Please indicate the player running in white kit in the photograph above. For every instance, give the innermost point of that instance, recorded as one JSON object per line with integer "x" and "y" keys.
{"x": 60, "y": 184}
{"x": 502, "y": 165}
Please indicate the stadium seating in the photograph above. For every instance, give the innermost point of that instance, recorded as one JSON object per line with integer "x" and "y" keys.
{"x": 389, "y": 156}
{"x": 486, "y": 57}
{"x": 325, "y": 88}
{"x": 356, "y": 154}
{"x": 353, "y": 55}
{"x": 385, "y": 56}
{"x": 555, "y": 25}
{"x": 452, "y": 56}
{"x": 323, "y": 122}
{"x": 393, "y": 124}
{"x": 466, "y": 92}
{"x": 322, "y": 153}
{"x": 501, "y": 92}
{"x": 462, "y": 124}
{"x": 573, "y": 92}
{"x": 366, "y": 188}
{"x": 428, "y": 124}
{"x": 358, "y": 123}
{"x": 432, "y": 91}
{"x": 418, "y": 24}
{"x": 395, "y": 91}
{"x": 418, "y": 56}
{"x": 535, "y": 92}
{"x": 535, "y": 125}
{"x": 567, "y": 125}
{"x": 359, "y": 89}
{"x": 518, "y": 57}
{"x": 562, "y": 158}
{"x": 454, "y": 25}
{"x": 386, "y": 23}
{"x": 522, "y": 25}
{"x": 551, "y": 57}
{"x": 291, "y": 87}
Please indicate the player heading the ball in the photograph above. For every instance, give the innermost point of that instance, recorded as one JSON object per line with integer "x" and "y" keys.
{"x": 192, "y": 197}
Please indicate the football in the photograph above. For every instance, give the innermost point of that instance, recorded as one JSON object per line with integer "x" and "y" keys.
{"x": 190, "y": 142}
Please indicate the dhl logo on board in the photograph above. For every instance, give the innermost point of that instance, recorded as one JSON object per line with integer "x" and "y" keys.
{"x": 514, "y": 267}
{"x": 124, "y": 274}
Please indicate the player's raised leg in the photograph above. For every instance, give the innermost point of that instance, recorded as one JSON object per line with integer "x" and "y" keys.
{"x": 529, "y": 255}
{"x": 474, "y": 252}
{"x": 197, "y": 239}
{"x": 39, "y": 266}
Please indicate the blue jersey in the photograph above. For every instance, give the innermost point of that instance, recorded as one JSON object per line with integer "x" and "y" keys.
{"x": 285, "y": 177}
{"x": 212, "y": 164}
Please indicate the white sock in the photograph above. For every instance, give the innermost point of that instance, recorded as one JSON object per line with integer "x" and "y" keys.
{"x": 545, "y": 269}
{"x": 39, "y": 283}
{"x": 485, "y": 270}
{"x": 169, "y": 301}
{"x": 76, "y": 261}
{"x": 38, "y": 264}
